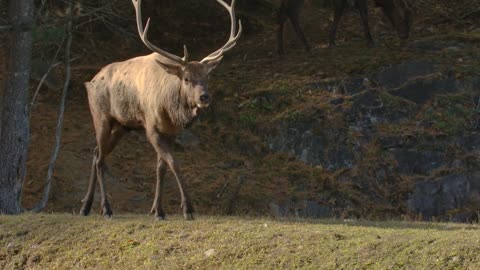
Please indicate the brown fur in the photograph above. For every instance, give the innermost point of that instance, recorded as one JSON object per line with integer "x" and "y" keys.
{"x": 159, "y": 92}
{"x": 140, "y": 91}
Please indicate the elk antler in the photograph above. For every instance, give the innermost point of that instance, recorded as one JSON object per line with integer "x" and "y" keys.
{"x": 143, "y": 35}
{"x": 232, "y": 41}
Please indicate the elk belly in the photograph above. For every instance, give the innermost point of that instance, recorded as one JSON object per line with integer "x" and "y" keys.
{"x": 125, "y": 107}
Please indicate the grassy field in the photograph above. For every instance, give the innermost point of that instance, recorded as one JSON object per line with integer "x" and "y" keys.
{"x": 62, "y": 241}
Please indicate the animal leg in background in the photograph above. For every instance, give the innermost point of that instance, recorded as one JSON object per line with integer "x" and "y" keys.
{"x": 290, "y": 9}
{"x": 295, "y": 20}
{"x": 281, "y": 18}
{"x": 339, "y": 7}
{"x": 363, "y": 10}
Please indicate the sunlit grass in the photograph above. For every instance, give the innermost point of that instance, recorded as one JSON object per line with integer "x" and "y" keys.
{"x": 61, "y": 241}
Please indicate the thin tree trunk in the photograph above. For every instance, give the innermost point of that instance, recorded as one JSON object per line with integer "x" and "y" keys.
{"x": 58, "y": 134}
{"x": 15, "y": 125}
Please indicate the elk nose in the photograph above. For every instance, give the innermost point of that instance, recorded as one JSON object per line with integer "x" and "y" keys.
{"x": 205, "y": 98}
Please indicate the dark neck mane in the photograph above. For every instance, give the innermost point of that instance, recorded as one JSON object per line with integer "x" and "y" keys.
{"x": 179, "y": 110}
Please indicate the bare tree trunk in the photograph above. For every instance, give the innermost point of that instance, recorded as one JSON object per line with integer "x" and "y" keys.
{"x": 58, "y": 134}
{"x": 15, "y": 125}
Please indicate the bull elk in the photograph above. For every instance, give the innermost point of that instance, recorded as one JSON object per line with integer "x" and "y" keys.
{"x": 399, "y": 13}
{"x": 160, "y": 93}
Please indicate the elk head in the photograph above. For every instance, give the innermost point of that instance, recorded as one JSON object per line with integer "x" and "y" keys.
{"x": 193, "y": 75}
{"x": 400, "y": 14}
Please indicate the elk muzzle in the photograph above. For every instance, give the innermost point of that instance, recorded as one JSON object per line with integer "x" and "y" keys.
{"x": 202, "y": 98}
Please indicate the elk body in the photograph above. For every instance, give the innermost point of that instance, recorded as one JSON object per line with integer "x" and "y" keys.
{"x": 397, "y": 11}
{"x": 160, "y": 93}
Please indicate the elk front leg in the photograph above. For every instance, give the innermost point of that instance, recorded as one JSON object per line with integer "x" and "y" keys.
{"x": 157, "y": 202}
{"x": 339, "y": 6}
{"x": 363, "y": 9}
{"x": 160, "y": 143}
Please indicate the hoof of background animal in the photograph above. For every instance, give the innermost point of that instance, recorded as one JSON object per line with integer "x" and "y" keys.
{"x": 371, "y": 45}
{"x": 332, "y": 45}
{"x": 188, "y": 216}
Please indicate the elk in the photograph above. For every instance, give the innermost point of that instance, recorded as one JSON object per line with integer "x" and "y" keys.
{"x": 399, "y": 13}
{"x": 160, "y": 93}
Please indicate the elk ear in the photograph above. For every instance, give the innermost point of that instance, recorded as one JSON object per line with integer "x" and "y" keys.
{"x": 172, "y": 69}
{"x": 213, "y": 64}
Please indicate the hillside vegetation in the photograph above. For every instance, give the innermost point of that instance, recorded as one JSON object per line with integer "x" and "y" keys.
{"x": 62, "y": 241}
{"x": 322, "y": 128}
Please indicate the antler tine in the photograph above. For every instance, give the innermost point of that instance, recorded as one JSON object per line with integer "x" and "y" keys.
{"x": 234, "y": 35}
{"x": 185, "y": 53}
{"x": 144, "y": 37}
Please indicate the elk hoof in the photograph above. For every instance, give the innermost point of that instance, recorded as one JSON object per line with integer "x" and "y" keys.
{"x": 332, "y": 45}
{"x": 188, "y": 216}
{"x": 159, "y": 215}
{"x": 159, "y": 218}
{"x": 372, "y": 45}
{"x": 84, "y": 211}
{"x": 106, "y": 211}
{"x": 86, "y": 207}
{"x": 187, "y": 210}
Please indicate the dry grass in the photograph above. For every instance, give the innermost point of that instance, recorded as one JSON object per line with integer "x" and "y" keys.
{"x": 137, "y": 242}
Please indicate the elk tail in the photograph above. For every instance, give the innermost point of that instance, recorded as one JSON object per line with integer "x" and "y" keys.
{"x": 88, "y": 86}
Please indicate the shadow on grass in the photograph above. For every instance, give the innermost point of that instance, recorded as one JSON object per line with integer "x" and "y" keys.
{"x": 51, "y": 218}
{"x": 389, "y": 224}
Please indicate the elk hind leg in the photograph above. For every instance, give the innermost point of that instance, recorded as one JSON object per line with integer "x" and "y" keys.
{"x": 115, "y": 136}
{"x": 88, "y": 199}
{"x": 157, "y": 208}
{"x": 104, "y": 127}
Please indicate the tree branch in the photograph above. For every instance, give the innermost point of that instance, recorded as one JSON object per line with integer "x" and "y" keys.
{"x": 51, "y": 167}
{"x": 47, "y": 73}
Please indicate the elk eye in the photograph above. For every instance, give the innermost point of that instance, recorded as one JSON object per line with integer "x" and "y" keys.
{"x": 186, "y": 80}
